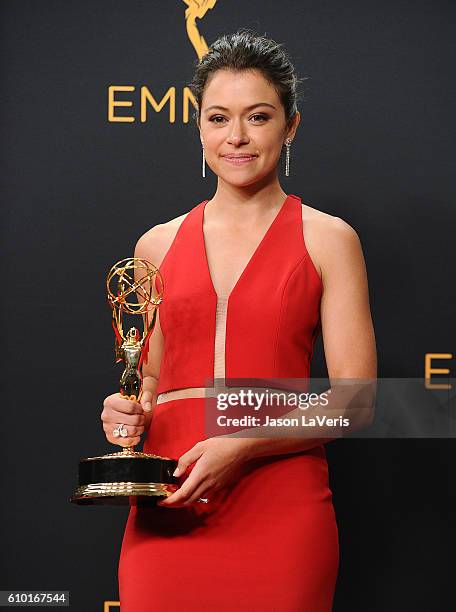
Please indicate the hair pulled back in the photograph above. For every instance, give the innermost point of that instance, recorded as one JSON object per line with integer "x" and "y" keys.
{"x": 246, "y": 50}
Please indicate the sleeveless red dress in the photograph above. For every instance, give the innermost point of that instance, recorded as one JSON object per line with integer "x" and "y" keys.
{"x": 268, "y": 541}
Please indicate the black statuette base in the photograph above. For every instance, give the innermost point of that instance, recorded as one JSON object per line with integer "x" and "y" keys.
{"x": 125, "y": 480}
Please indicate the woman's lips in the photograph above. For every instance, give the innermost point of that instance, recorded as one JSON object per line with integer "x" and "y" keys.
{"x": 240, "y": 160}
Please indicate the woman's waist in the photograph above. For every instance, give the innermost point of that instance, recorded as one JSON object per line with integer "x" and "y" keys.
{"x": 248, "y": 392}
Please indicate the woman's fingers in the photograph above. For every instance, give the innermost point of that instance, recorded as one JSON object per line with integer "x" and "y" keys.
{"x": 202, "y": 491}
{"x": 122, "y": 404}
{"x": 118, "y": 411}
{"x": 132, "y": 430}
{"x": 136, "y": 420}
{"x": 131, "y": 439}
{"x": 124, "y": 442}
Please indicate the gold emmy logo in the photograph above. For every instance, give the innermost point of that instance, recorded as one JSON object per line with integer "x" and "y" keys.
{"x": 196, "y": 9}
{"x": 429, "y": 370}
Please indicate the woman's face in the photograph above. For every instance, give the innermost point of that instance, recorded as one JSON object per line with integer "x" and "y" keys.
{"x": 242, "y": 115}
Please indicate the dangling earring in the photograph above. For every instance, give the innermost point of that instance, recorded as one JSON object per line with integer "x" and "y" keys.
{"x": 287, "y": 157}
{"x": 204, "y": 161}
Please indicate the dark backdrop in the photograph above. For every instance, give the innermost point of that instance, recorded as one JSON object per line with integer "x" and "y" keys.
{"x": 78, "y": 190}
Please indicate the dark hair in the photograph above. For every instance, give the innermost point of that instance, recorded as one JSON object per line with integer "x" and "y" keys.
{"x": 246, "y": 50}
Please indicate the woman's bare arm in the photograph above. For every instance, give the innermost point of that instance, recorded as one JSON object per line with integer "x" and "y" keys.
{"x": 347, "y": 329}
{"x": 153, "y": 246}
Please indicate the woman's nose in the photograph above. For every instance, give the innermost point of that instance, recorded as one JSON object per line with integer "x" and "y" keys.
{"x": 237, "y": 134}
{"x": 236, "y": 138}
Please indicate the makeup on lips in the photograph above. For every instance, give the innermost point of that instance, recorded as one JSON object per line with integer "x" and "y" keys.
{"x": 239, "y": 159}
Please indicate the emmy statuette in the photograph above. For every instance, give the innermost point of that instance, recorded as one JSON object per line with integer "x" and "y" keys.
{"x": 129, "y": 477}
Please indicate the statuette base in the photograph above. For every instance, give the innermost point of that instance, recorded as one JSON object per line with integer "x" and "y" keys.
{"x": 125, "y": 478}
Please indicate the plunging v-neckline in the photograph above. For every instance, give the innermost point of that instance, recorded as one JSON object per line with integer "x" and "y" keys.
{"x": 249, "y": 262}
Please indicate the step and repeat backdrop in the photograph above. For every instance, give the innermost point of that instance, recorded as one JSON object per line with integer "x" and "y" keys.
{"x": 99, "y": 145}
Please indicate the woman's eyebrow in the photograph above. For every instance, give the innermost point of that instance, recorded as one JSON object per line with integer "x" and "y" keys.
{"x": 247, "y": 107}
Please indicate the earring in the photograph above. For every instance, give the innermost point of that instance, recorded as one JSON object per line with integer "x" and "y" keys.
{"x": 288, "y": 142}
{"x": 204, "y": 161}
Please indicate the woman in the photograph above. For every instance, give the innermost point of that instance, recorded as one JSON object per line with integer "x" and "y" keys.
{"x": 251, "y": 277}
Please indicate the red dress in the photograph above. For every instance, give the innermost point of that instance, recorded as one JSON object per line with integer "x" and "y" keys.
{"x": 267, "y": 542}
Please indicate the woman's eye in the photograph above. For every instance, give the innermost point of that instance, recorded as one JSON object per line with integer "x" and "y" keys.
{"x": 260, "y": 116}
{"x": 216, "y": 117}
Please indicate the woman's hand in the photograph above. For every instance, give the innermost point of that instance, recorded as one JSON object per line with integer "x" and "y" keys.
{"x": 217, "y": 463}
{"x": 116, "y": 410}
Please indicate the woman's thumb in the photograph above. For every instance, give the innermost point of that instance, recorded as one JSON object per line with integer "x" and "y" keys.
{"x": 146, "y": 401}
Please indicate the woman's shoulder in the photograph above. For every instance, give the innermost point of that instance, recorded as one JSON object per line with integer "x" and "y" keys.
{"x": 154, "y": 243}
{"x": 313, "y": 216}
{"x": 328, "y": 237}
